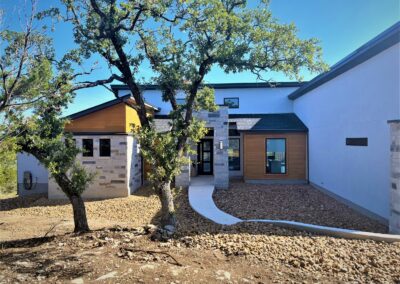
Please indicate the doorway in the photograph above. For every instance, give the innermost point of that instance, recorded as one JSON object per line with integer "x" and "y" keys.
{"x": 205, "y": 157}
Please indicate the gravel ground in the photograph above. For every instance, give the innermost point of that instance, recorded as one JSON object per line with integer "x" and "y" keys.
{"x": 301, "y": 203}
{"x": 137, "y": 210}
{"x": 260, "y": 252}
{"x": 307, "y": 255}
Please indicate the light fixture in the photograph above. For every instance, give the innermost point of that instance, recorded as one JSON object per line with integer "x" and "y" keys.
{"x": 221, "y": 145}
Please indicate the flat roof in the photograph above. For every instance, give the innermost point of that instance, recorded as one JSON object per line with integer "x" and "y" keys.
{"x": 226, "y": 85}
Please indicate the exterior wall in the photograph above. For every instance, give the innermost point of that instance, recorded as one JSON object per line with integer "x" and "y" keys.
{"x": 255, "y": 157}
{"x": 357, "y": 103}
{"x": 134, "y": 174}
{"x": 112, "y": 119}
{"x": 219, "y": 122}
{"x": 394, "y": 218}
{"x": 131, "y": 118}
{"x": 251, "y": 100}
{"x": 112, "y": 173}
{"x": 26, "y": 162}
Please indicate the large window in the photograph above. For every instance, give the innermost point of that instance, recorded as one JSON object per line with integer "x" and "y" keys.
{"x": 87, "y": 147}
{"x": 276, "y": 155}
{"x": 105, "y": 148}
{"x": 234, "y": 154}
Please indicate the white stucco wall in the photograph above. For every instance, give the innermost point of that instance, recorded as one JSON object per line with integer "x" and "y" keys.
{"x": 357, "y": 103}
{"x": 251, "y": 100}
{"x": 26, "y": 162}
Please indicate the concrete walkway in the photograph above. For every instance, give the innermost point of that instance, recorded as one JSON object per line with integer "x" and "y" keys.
{"x": 200, "y": 198}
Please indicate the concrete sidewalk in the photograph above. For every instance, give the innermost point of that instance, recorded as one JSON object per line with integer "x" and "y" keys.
{"x": 200, "y": 198}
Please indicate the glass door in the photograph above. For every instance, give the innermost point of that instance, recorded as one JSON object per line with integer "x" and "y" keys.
{"x": 205, "y": 157}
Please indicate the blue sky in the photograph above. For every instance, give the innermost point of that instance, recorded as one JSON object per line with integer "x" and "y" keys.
{"x": 341, "y": 25}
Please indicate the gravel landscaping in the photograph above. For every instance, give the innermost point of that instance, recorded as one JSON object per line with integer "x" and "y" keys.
{"x": 247, "y": 252}
{"x": 301, "y": 203}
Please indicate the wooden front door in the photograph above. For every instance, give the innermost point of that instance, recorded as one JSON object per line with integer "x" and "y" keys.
{"x": 205, "y": 157}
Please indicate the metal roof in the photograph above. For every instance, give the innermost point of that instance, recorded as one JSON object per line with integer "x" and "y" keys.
{"x": 383, "y": 41}
{"x": 271, "y": 122}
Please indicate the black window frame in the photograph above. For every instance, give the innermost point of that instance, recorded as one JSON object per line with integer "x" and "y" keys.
{"x": 101, "y": 154}
{"x": 85, "y": 152}
{"x": 357, "y": 141}
{"x": 235, "y": 138}
{"x": 266, "y": 156}
{"x": 229, "y": 105}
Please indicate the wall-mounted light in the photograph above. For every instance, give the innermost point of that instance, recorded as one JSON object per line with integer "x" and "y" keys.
{"x": 221, "y": 145}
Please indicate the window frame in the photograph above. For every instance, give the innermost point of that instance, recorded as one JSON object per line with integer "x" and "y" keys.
{"x": 240, "y": 156}
{"x": 230, "y": 98}
{"x": 100, "y": 152}
{"x": 266, "y": 156}
{"x": 84, "y": 153}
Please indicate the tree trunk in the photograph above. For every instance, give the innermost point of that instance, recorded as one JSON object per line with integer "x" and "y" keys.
{"x": 80, "y": 220}
{"x": 168, "y": 216}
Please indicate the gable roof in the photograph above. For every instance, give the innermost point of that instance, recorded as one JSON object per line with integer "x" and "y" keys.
{"x": 124, "y": 99}
{"x": 383, "y": 41}
{"x": 225, "y": 85}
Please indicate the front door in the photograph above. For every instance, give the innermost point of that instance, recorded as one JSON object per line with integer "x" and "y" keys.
{"x": 205, "y": 157}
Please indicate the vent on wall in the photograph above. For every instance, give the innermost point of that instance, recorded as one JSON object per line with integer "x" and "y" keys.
{"x": 357, "y": 141}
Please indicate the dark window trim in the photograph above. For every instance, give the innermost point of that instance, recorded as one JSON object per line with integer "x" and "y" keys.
{"x": 238, "y": 102}
{"x": 109, "y": 151}
{"x": 266, "y": 156}
{"x": 85, "y": 153}
{"x": 358, "y": 141}
{"x": 240, "y": 156}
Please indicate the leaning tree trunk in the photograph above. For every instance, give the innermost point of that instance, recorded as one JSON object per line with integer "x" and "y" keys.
{"x": 80, "y": 220}
{"x": 168, "y": 216}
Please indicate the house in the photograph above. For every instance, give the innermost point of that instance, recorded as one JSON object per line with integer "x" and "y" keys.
{"x": 331, "y": 132}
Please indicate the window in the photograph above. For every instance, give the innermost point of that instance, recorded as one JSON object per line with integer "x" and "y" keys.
{"x": 180, "y": 101}
{"x": 87, "y": 147}
{"x": 276, "y": 156}
{"x": 357, "y": 141}
{"x": 105, "y": 147}
{"x": 234, "y": 154}
{"x": 231, "y": 102}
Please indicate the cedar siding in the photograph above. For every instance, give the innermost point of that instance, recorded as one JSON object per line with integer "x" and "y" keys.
{"x": 255, "y": 156}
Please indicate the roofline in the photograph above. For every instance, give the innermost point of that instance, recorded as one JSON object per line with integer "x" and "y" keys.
{"x": 256, "y": 131}
{"x": 225, "y": 85}
{"x": 383, "y": 41}
{"x": 113, "y": 102}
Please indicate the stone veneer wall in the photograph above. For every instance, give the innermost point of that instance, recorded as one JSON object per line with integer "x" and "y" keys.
{"x": 135, "y": 161}
{"x": 112, "y": 172}
{"x": 220, "y": 123}
{"x": 394, "y": 218}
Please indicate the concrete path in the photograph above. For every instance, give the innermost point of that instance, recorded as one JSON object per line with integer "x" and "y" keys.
{"x": 200, "y": 198}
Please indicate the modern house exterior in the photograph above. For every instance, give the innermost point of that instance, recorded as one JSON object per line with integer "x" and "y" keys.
{"x": 332, "y": 132}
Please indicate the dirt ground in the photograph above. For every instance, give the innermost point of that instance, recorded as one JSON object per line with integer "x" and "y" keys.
{"x": 120, "y": 249}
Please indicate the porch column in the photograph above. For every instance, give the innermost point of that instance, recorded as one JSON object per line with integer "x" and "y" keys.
{"x": 221, "y": 144}
{"x": 394, "y": 218}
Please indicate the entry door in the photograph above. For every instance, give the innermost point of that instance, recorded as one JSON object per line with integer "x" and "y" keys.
{"x": 205, "y": 157}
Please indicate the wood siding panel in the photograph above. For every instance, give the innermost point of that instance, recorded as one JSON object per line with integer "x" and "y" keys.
{"x": 255, "y": 156}
{"x": 131, "y": 118}
{"x": 111, "y": 119}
